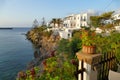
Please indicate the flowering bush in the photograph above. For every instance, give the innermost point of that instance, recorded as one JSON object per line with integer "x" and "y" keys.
{"x": 58, "y": 68}
{"x": 88, "y": 38}
{"x": 28, "y": 74}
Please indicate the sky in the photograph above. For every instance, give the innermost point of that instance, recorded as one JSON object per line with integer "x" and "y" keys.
{"x": 22, "y": 13}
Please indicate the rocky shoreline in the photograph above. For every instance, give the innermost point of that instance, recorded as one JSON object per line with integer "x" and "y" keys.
{"x": 48, "y": 62}
{"x": 45, "y": 46}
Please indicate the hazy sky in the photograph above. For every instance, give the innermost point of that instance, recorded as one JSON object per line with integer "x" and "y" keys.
{"x": 21, "y": 13}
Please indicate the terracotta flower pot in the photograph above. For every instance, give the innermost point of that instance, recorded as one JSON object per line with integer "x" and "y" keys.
{"x": 89, "y": 49}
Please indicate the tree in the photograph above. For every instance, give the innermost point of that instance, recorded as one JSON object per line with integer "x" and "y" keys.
{"x": 59, "y": 22}
{"x": 35, "y": 23}
{"x": 69, "y": 47}
{"x": 75, "y": 46}
{"x": 54, "y": 21}
{"x": 95, "y": 21}
{"x": 107, "y": 15}
{"x": 98, "y": 21}
{"x": 63, "y": 46}
{"x": 43, "y": 22}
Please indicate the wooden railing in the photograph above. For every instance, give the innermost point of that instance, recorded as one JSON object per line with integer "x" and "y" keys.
{"x": 107, "y": 62}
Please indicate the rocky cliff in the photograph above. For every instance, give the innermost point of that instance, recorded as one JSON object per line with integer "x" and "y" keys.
{"x": 45, "y": 42}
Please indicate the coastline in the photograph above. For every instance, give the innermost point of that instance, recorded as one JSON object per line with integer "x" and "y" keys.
{"x": 5, "y": 28}
{"x": 46, "y": 58}
{"x": 44, "y": 46}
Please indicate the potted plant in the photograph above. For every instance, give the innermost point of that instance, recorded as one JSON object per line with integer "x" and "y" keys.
{"x": 88, "y": 41}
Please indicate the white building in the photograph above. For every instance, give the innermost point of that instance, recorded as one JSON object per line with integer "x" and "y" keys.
{"x": 69, "y": 21}
{"x": 67, "y": 32}
{"x": 116, "y": 16}
{"x": 109, "y": 21}
{"x": 78, "y": 20}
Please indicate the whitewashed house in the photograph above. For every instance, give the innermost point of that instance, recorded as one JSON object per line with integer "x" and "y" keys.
{"x": 109, "y": 21}
{"x": 66, "y": 34}
{"x": 116, "y": 18}
{"x": 116, "y": 15}
{"x": 78, "y": 20}
{"x": 69, "y": 21}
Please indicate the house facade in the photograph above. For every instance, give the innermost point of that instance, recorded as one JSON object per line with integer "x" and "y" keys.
{"x": 67, "y": 32}
{"x": 116, "y": 18}
{"x": 78, "y": 20}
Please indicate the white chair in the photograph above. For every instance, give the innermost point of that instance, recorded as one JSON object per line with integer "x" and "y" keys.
{"x": 114, "y": 75}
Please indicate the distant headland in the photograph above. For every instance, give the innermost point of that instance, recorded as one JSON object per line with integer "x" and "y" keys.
{"x": 5, "y": 28}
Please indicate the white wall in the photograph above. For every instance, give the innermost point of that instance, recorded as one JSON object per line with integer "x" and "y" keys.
{"x": 74, "y": 21}
{"x": 116, "y": 16}
{"x": 65, "y": 34}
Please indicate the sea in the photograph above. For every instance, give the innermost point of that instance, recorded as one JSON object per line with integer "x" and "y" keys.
{"x": 15, "y": 52}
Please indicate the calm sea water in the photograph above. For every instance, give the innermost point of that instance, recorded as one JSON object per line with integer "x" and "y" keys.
{"x": 15, "y": 52}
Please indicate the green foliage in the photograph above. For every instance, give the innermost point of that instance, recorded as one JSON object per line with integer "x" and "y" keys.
{"x": 107, "y": 27}
{"x": 59, "y": 21}
{"x": 47, "y": 33}
{"x": 69, "y": 47}
{"x": 107, "y": 15}
{"x": 75, "y": 46}
{"x": 107, "y": 44}
{"x": 56, "y": 21}
{"x": 63, "y": 46}
{"x": 76, "y": 34}
{"x": 58, "y": 69}
{"x": 28, "y": 74}
{"x": 36, "y": 34}
{"x": 88, "y": 38}
{"x": 39, "y": 29}
{"x": 97, "y": 21}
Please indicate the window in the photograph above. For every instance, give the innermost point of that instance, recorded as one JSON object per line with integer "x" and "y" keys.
{"x": 81, "y": 18}
{"x": 81, "y": 25}
{"x": 118, "y": 15}
{"x": 74, "y": 18}
{"x": 68, "y": 35}
{"x": 84, "y": 18}
{"x": 74, "y": 24}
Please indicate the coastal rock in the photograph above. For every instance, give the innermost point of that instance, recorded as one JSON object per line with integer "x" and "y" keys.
{"x": 46, "y": 45}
